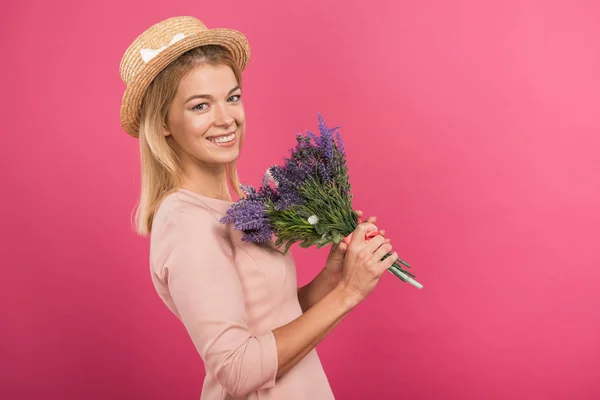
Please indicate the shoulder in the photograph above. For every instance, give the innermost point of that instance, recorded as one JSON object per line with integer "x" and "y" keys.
{"x": 182, "y": 224}
{"x": 180, "y": 213}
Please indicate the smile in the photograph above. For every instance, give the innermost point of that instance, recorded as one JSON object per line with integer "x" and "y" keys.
{"x": 224, "y": 139}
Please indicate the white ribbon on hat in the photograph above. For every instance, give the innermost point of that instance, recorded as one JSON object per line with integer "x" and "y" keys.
{"x": 149, "y": 54}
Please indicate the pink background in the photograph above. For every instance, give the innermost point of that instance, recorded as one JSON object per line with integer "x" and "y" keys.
{"x": 472, "y": 132}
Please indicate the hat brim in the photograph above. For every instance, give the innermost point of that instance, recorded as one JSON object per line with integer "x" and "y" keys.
{"x": 131, "y": 103}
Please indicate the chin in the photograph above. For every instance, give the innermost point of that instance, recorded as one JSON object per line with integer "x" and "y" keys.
{"x": 228, "y": 158}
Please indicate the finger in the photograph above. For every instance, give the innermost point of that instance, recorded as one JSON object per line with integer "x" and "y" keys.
{"x": 381, "y": 251}
{"x": 343, "y": 247}
{"x": 374, "y": 244}
{"x": 365, "y": 227}
{"x": 388, "y": 262}
{"x": 361, "y": 231}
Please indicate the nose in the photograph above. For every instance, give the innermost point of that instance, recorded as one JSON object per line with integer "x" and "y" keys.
{"x": 222, "y": 116}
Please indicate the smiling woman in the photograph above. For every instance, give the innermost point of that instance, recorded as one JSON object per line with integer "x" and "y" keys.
{"x": 201, "y": 126}
{"x": 238, "y": 301}
{"x": 195, "y": 98}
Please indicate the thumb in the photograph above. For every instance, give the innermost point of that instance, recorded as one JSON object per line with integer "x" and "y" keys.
{"x": 342, "y": 247}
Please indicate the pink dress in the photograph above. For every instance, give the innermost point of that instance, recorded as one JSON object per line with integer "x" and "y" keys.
{"x": 230, "y": 295}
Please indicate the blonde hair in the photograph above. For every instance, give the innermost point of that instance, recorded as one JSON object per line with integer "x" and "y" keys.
{"x": 160, "y": 169}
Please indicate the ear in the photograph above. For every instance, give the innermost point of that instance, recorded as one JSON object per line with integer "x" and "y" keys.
{"x": 166, "y": 132}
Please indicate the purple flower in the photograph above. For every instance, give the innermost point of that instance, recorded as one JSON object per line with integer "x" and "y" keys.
{"x": 323, "y": 154}
{"x": 289, "y": 178}
{"x": 340, "y": 143}
{"x": 316, "y": 156}
{"x": 314, "y": 137}
{"x": 249, "y": 213}
{"x": 326, "y": 142}
{"x": 248, "y": 190}
{"x": 246, "y": 215}
{"x": 258, "y": 236}
{"x": 288, "y": 200}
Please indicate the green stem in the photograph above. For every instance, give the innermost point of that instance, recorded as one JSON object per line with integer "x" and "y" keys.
{"x": 405, "y": 278}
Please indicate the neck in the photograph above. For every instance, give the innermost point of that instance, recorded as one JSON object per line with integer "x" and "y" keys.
{"x": 210, "y": 182}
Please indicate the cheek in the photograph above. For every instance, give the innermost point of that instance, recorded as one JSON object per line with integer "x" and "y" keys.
{"x": 239, "y": 115}
{"x": 198, "y": 126}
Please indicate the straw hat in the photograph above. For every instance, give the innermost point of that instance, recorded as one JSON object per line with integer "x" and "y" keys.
{"x": 157, "y": 47}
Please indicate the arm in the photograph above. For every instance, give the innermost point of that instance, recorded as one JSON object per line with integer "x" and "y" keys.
{"x": 299, "y": 337}
{"x": 196, "y": 261}
{"x": 311, "y": 293}
{"x": 209, "y": 299}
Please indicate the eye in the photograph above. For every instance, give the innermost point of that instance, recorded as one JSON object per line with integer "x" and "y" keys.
{"x": 235, "y": 95}
{"x": 198, "y": 106}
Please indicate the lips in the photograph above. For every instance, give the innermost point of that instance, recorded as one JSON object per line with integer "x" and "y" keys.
{"x": 220, "y": 135}
{"x": 222, "y": 144}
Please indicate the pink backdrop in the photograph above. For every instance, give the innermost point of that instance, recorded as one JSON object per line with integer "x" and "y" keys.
{"x": 472, "y": 132}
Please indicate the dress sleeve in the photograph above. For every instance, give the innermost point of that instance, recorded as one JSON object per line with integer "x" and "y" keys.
{"x": 207, "y": 293}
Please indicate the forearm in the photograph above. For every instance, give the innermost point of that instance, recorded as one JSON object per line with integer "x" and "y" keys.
{"x": 315, "y": 290}
{"x": 296, "y": 339}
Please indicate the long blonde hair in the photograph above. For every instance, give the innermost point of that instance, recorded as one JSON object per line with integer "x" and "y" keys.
{"x": 160, "y": 169}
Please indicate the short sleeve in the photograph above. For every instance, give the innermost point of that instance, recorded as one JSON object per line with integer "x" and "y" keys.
{"x": 206, "y": 290}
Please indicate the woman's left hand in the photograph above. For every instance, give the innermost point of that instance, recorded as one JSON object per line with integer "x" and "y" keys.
{"x": 335, "y": 260}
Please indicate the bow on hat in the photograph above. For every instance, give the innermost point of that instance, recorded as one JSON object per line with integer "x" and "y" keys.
{"x": 149, "y": 54}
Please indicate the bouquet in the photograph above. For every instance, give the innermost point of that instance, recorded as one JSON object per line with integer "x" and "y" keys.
{"x": 307, "y": 200}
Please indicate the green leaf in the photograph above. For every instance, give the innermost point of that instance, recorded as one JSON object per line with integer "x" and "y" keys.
{"x": 303, "y": 212}
{"x": 320, "y": 229}
{"x": 305, "y": 244}
{"x": 337, "y": 238}
{"x": 287, "y": 246}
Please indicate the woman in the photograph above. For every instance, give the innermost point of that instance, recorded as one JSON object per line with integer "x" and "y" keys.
{"x": 254, "y": 329}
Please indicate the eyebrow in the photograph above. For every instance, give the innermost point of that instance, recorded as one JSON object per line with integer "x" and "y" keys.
{"x": 208, "y": 96}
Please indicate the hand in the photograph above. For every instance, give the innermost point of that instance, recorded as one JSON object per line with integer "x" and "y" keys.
{"x": 337, "y": 253}
{"x": 363, "y": 267}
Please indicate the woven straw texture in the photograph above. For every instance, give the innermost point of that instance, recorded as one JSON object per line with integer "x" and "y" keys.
{"x": 138, "y": 74}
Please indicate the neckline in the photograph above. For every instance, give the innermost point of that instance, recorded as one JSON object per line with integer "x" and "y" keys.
{"x": 205, "y": 197}
{"x": 218, "y": 205}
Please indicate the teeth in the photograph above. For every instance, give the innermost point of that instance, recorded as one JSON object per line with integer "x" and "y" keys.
{"x": 224, "y": 139}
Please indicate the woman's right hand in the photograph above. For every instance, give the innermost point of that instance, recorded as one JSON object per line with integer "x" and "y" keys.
{"x": 362, "y": 266}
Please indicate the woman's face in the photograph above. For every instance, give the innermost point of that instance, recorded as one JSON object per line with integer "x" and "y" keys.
{"x": 206, "y": 110}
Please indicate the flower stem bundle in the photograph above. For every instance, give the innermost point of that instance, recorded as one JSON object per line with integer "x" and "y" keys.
{"x": 307, "y": 200}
